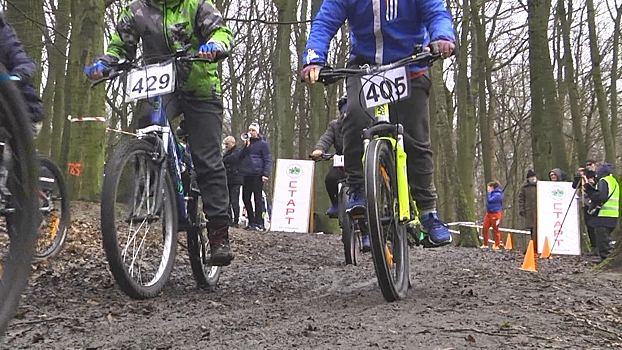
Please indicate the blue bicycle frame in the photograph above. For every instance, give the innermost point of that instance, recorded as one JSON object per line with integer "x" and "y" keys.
{"x": 174, "y": 150}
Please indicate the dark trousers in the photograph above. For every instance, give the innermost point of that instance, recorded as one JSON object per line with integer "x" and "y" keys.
{"x": 234, "y": 202}
{"x": 253, "y": 185}
{"x": 414, "y": 114}
{"x": 331, "y": 181}
{"x": 203, "y": 122}
{"x": 590, "y": 230}
{"x": 603, "y": 241}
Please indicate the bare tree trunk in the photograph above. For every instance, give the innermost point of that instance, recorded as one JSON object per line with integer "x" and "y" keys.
{"x": 283, "y": 80}
{"x": 87, "y": 138}
{"x": 570, "y": 82}
{"x": 599, "y": 90}
{"x": 482, "y": 73}
{"x": 466, "y": 137}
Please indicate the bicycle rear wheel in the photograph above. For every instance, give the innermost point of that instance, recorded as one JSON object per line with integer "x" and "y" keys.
{"x": 388, "y": 238}
{"x": 139, "y": 219}
{"x": 54, "y": 205}
{"x": 21, "y": 217}
{"x": 349, "y": 236}
{"x": 198, "y": 247}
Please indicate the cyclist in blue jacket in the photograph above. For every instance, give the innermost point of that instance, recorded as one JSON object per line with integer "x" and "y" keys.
{"x": 22, "y": 67}
{"x": 383, "y": 32}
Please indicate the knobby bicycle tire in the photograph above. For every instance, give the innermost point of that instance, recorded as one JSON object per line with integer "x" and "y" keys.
{"x": 198, "y": 247}
{"x": 388, "y": 237}
{"x": 57, "y": 223}
{"x": 24, "y": 186}
{"x": 112, "y": 176}
{"x": 348, "y": 237}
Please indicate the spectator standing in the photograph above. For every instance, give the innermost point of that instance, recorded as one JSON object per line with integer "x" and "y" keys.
{"x": 527, "y": 203}
{"x": 585, "y": 175}
{"x": 494, "y": 213}
{"x": 605, "y": 207}
{"x": 231, "y": 159}
{"x": 255, "y": 167}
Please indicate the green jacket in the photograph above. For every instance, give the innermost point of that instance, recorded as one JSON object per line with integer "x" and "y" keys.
{"x": 165, "y": 26}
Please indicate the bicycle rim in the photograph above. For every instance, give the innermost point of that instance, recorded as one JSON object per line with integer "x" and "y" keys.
{"x": 388, "y": 237}
{"x": 54, "y": 206}
{"x": 20, "y": 223}
{"x": 207, "y": 276}
{"x": 139, "y": 219}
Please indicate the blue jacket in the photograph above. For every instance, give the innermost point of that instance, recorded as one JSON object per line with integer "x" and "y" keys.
{"x": 380, "y": 38}
{"x": 17, "y": 62}
{"x": 256, "y": 159}
{"x": 494, "y": 201}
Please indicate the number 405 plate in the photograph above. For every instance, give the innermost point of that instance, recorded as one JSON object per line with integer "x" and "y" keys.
{"x": 150, "y": 81}
{"x": 385, "y": 87}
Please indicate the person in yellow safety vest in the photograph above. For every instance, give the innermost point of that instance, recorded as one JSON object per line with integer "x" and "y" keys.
{"x": 605, "y": 207}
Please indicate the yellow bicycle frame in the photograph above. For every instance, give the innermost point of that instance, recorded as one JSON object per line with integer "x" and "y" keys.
{"x": 403, "y": 197}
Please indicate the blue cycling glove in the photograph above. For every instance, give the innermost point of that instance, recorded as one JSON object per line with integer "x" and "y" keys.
{"x": 211, "y": 46}
{"x": 97, "y": 66}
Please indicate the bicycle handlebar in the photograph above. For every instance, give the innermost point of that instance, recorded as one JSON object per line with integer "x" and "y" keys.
{"x": 118, "y": 68}
{"x": 324, "y": 156}
{"x": 332, "y": 75}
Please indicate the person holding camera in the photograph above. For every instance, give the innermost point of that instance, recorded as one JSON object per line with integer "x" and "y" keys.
{"x": 604, "y": 207}
{"x": 585, "y": 175}
{"x": 255, "y": 167}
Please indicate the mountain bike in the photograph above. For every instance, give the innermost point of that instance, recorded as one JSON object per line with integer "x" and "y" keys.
{"x": 150, "y": 192}
{"x": 351, "y": 229}
{"x": 54, "y": 205}
{"x": 390, "y": 209}
{"x": 19, "y": 203}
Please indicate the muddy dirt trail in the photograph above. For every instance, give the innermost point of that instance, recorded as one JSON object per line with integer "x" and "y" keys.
{"x": 294, "y": 291}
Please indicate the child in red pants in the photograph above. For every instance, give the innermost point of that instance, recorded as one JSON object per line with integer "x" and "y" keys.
{"x": 494, "y": 205}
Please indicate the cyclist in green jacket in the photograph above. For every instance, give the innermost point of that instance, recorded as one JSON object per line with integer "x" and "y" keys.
{"x": 165, "y": 26}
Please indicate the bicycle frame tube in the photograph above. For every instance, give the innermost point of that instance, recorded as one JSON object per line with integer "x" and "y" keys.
{"x": 403, "y": 197}
{"x": 158, "y": 117}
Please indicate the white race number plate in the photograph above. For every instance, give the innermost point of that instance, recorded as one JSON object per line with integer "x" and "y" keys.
{"x": 385, "y": 87}
{"x": 337, "y": 161}
{"x": 150, "y": 81}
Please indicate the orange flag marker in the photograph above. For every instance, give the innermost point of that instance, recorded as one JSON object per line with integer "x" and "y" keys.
{"x": 529, "y": 264}
{"x": 546, "y": 250}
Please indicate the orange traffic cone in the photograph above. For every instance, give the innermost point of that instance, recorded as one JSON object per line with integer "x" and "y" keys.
{"x": 529, "y": 264}
{"x": 546, "y": 250}
{"x": 508, "y": 242}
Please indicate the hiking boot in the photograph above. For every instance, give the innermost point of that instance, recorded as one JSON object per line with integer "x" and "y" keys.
{"x": 356, "y": 202}
{"x": 218, "y": 234}
{"x": 437, "y": 232}
{"x": 366, "y": 243}
{"x": 333, "y": 211}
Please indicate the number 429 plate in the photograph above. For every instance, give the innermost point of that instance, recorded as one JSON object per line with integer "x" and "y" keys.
{"x": 385, "y": 87}
{"x": 150, "y": 81}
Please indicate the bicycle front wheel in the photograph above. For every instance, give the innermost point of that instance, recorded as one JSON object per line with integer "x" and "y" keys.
{"x": 54, "y": 205}
{"x": 20, "y": 184}
{"x": 388, "y": 238}
{"x": 138, "y": 219}
{"x": 198, "y": 247}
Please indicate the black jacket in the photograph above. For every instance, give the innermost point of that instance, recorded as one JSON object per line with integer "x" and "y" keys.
{"x": 256, "y": 158}
{"x": 231, "y": 158}
{"x": 17, "y": 62}
{"x": 332, "y": 136}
